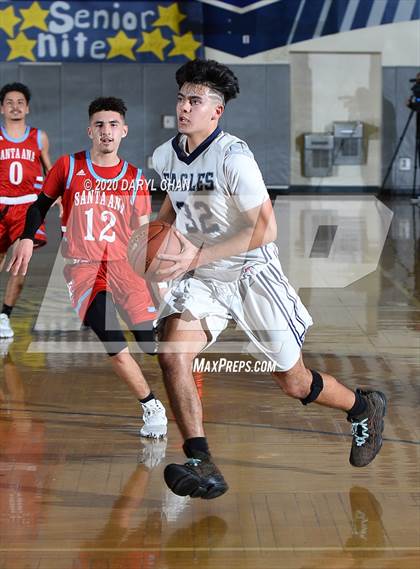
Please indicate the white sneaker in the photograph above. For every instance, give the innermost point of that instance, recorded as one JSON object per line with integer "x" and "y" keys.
{"x": 152, "y": 453}
{"x": 155, "y": 421}
{"x": 5, "y": 328}
{"x": 4, "y": 346}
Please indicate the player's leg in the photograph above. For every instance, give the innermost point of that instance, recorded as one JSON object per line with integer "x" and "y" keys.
{"x": 13, "y": 287}
{"x": 144, "y": 334}
{"x": 135, "y": 306}
{"x": 87, "y": 285}
{"x": 276, "y": 321}
{"x": 134, "y": 303}
{"x": 365, "y": 409}
{"x": 299, "y": 382}
{"x": 181, "y": 339}
{"x": 11, "y": 226}
{"x": 153, "y": 410}
{"x": 101, "y": 316}
{"x": 154, "y": 415}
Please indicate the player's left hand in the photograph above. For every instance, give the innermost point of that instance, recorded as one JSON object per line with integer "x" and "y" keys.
{"x": 183, "y": 262}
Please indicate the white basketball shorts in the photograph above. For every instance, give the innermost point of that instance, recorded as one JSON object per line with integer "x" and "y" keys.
{"x": 262, "y": 303}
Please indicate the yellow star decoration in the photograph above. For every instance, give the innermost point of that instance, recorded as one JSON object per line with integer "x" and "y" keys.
{"x": 170, "y": 17}
{"x": 21, "y": 46}
{"x": 122, "y": 45}
{"x": 34, "y": 17}
{"x": 185, "y": 45}
{"x": 154, "y": 42}
{"x": 8, "y": 20}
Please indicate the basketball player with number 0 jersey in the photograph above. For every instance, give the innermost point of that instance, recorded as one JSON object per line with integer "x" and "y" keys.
{"x": 104, "y": 199}
{"x": 24, "y": 159}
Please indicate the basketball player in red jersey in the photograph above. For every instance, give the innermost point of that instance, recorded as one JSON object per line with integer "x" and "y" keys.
{"x": 23, "y": 160}
{"x": 104, "y": 199}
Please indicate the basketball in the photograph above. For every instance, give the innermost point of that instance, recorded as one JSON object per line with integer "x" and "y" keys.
{"x": 147, "y": 242}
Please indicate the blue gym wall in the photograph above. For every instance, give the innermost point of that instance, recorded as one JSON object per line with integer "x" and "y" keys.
{"x": 255, "y": 37}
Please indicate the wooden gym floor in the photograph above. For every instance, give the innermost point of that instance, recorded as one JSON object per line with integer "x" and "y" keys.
{"x": 80, "y": 490}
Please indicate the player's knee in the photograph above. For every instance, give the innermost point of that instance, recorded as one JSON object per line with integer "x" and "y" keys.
{"x": 295, "y": 389}
{"x": 118, "y": 357}
{"x": 170, "y": 362}
{"x": 295, "y": 384}
{"x": 304, "y": 386}
{"x": 145, "y": 338}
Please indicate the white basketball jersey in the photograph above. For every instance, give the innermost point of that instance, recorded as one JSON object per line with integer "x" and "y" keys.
{"x": 209, "y": 190}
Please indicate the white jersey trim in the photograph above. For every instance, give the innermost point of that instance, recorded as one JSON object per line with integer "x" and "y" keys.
{"x": 28, "y": 198}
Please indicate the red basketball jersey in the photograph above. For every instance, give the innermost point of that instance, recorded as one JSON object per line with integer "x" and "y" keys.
{"x": 21, "y": 172}
{"x": 99, "y": 213}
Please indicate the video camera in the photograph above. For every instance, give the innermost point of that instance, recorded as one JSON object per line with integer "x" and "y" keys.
{"x": 414, "y": 101}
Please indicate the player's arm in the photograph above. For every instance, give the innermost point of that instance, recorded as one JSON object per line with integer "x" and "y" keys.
{"x": 168, "y": 215}
{"x": 22, "y": 254}
{"x": 260, "y": 229}
{"x": 47, "y": 164}
{"x": 167, "y": 212}
{"x": 54, "y": 184}
{"x": 45, "y": 152}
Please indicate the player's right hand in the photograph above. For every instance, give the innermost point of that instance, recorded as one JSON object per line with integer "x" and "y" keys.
{"x": 22, "y": 253}
{"x": 58, "y": 203}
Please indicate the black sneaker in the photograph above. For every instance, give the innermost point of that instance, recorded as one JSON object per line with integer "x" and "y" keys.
{"x": 199, "y": 477}
{"x": 367, "y": 429}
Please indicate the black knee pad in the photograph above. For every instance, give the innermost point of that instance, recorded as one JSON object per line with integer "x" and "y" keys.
{"x": 317, "y": 386}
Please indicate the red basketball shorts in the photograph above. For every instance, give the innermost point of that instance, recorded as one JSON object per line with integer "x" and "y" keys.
{"x": 129, "y": 291}
{"x": 12, "y": 222}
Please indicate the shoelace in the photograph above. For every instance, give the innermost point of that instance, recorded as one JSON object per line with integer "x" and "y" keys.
{"x": 193, "y": 461}
{"x": 151, "y": 407}
{"x": 360, "y": 432}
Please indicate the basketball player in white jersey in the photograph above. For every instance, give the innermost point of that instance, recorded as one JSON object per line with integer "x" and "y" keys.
{"x": 229, "y": 269}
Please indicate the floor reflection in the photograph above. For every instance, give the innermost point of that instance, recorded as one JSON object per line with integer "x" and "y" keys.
{"x": 367, "y": 539}
{"x": 23, "y": 477}
{"x": 124, "y": 541}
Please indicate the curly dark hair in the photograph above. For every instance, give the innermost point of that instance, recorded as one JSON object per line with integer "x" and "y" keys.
{"x": 107, "y": 104}
{"x": 19, "y": 87}
{"x": 210, "y": 73}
